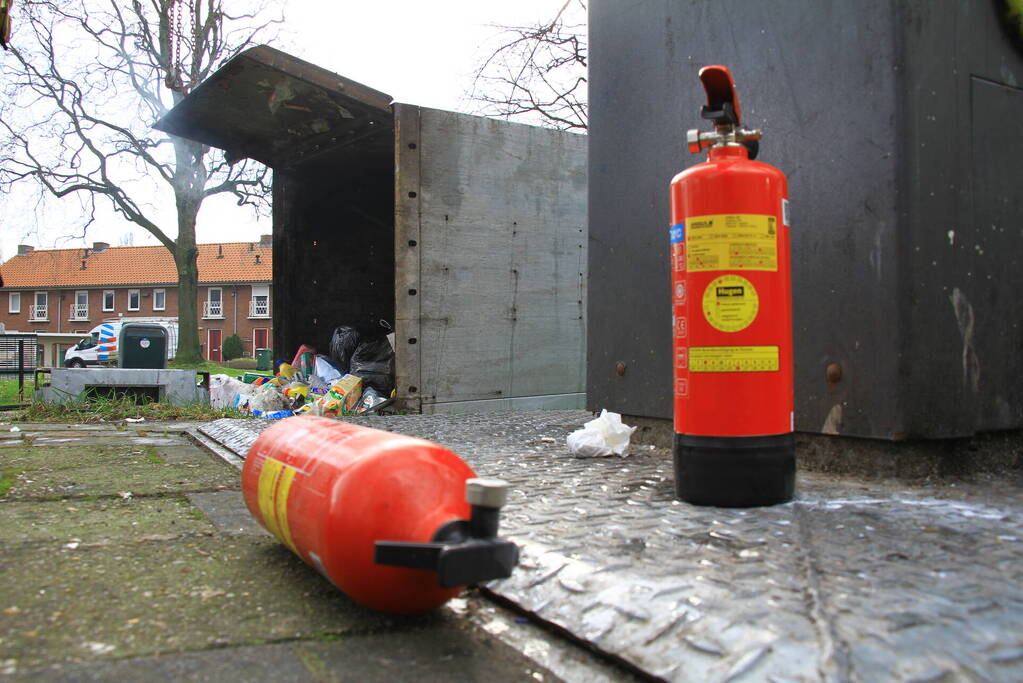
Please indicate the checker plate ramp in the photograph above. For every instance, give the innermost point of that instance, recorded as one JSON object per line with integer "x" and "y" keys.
{"x": 851, "y": 581}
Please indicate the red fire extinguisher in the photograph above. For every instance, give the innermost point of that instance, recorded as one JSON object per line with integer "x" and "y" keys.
{"x": 732, "y": 315}
{"x": 397, "y": 523}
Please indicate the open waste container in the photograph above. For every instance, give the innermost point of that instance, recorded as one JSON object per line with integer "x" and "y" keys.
{"x": 466, "y": 234}
{"x": 142, "y": 346}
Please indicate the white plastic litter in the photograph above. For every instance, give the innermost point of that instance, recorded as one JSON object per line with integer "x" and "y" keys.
{"x": 223, "y": 390}
{"x": 602, "y": 436}
{"x": 326, "y": 370}
{"x": 265, "y": 398}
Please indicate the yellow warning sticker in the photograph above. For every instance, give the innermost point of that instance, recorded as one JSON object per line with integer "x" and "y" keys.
{"x": 730, "y": 303}
{"x": 733, "y": 359}
{"x": 732, "y": 242}
{"x": 274, "y": 485}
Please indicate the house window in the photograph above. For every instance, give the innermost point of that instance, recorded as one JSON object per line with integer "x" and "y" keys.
{"x": 108, "y": 300}
{"x": 159, "y": 299}
{"x": 133, "y": 299}
{"x": 214, "y": 306}
{"x": 80, "y": 308}
{"x": 14, "y": 302}
{"x": 39, "y": 308}
{"x": 259, "y": 305}
{"x": 260, "y": 339}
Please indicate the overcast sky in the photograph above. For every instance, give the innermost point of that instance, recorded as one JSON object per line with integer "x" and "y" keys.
{"x": 418, "y": 51}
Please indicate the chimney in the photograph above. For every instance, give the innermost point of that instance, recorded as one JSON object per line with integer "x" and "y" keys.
{"x": 220, "y": 251}
{"x": 266, "y": 240}
{"x": 24, "y": 249}
{"x": 99, "y": 247}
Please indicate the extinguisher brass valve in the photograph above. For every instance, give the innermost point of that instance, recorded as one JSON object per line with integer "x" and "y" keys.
{"x": 462, "y": 551}
{"x": 699, "y": 140}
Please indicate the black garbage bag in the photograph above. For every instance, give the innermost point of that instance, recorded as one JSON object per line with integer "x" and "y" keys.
{"x": 372, "y": 327}
{"x": 373, "y": 361}
{"x": 343, "y": 343}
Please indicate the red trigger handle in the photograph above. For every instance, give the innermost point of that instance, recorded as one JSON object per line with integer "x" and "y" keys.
{"x": 722, "y": 102}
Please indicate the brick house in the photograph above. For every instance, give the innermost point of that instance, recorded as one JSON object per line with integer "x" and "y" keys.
{"x": 73, "y": 290}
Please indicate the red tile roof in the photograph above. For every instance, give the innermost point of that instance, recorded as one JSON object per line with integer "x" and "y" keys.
{"x": 231, "y": 262}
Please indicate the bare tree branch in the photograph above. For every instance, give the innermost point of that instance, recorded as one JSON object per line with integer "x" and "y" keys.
{"x": 81, "y": 93}
{"x": 538, "y": 73}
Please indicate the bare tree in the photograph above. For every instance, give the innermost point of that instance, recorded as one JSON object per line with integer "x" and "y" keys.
{"x": 538, "y": 73}
{"x": 88, "y": 79}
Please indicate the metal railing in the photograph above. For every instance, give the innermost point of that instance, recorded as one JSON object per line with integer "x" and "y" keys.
{"x": 37, "y": 312}
{"x": 79, "y": 312}
{"x": 18, "y": 359}
{"x": 259, "y": 308}
{"x": 213, "y": 309}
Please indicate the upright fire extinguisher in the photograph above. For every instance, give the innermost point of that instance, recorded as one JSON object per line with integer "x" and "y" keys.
{"x": 732, "y": 315}
{"x": 397, "y": 523}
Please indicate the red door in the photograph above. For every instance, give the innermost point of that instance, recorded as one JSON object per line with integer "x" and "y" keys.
{"x": 260, "y": 339}
{"x": 216, "y": 339}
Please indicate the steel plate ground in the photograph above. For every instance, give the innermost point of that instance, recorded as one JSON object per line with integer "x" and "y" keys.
{"x": 851, "y": 581}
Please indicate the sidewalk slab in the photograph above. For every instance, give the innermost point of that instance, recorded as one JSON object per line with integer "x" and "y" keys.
{"x": 169, "y": 582}
{"x": 852, "y": 580}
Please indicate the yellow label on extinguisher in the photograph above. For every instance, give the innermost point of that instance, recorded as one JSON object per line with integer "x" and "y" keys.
{"x": 734, "y": 359}
{"x": 730, "y": 303}
{"x": 274, "y": 485}
{"x": 731, "y": 242}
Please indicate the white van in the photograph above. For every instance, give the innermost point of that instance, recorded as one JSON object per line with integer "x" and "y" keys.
{"x": 100, "y": 347}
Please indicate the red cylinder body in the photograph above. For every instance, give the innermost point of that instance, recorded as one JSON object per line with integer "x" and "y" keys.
{"x": 732, "y": 319}
{"x": 329, "y": 490}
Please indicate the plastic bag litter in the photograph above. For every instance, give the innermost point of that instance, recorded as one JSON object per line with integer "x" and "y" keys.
{"x": 266, "y": 399}
{"x": 373, "y": 361}
{"x": 224, "y": 389}
{"x": 326, "y": 370}
{"x": 602, "y": 436}
{"x": 342, "y": 345}
{"x": 302, "y": 349}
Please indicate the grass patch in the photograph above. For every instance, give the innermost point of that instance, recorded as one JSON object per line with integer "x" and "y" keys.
{"x": 9, "y": 391}
{"x": 152, "y": 457}
{"x": 111, "y": 409}
{"x": 207, "y": 366}
{"x": 7, "y": 478}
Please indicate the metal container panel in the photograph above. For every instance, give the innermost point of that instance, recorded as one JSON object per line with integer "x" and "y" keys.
{"x": 501, "y": 215}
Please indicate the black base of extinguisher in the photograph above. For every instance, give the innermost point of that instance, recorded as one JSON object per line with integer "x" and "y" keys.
{"x": 735, "y": 471}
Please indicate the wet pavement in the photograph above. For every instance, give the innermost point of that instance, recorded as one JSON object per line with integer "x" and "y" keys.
{"x": 127, "y": 553}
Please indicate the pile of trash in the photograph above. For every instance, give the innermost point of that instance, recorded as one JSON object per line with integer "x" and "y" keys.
{"x": 355, "y": 377}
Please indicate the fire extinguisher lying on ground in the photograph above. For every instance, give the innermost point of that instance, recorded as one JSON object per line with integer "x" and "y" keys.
{"x": 399, "y": 524}
{"x": 732, "y": 315}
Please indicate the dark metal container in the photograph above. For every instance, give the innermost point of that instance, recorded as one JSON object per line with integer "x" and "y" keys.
{"x": 898, "y": 125}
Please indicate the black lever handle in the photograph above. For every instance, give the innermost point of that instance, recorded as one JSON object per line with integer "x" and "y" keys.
{"x": 462, "y": 552}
